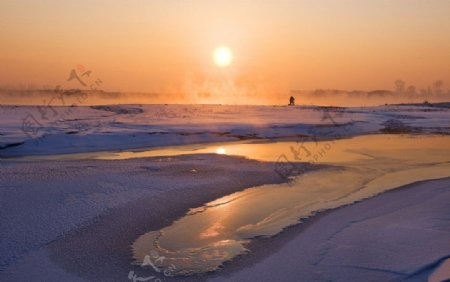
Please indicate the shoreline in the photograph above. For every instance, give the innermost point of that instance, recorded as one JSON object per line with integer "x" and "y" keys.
{"x": 108, "y": 235}
{"x": 96, "y": 246}
{"x": 90, "y": 155}
{"x": 261, "y": 249}
{"x": 132, "y": 127}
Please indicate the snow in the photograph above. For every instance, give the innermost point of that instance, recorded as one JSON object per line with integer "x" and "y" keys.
{"x": 402, "y": 234}
{"x": 45, "y": 203}
{"x": 75, "y": 220}
{"x": 30, "y": 130}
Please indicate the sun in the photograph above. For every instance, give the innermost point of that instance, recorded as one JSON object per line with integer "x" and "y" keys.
{"x": 222, "y": 56}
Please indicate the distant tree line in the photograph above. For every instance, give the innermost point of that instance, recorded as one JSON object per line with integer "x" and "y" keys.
{"x": 435, "y": 89}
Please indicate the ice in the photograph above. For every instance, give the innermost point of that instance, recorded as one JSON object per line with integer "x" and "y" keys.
{"x": 30, "y": 130}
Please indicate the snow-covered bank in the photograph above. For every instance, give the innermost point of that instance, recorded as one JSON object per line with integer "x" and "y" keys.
{"x": 74, "y": 221}
{"x": 55, "y": 130}
{"x": 401, "y": 235}
{"x": 85, "y": 214}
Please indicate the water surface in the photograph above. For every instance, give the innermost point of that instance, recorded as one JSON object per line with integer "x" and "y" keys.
{"x": 358, "y": 168}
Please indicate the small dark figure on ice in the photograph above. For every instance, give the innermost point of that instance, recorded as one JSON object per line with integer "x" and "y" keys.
{"x": 291, "y": 101}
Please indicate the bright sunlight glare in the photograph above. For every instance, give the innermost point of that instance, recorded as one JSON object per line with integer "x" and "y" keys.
{"x": 221, "y": 151}
{"x": 222, "y": 56}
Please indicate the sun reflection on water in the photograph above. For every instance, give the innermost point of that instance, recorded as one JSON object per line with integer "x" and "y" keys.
{"x": 221, "y": 151}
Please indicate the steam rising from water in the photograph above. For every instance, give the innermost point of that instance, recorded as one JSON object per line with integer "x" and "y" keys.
{"x": 222, "y": 89}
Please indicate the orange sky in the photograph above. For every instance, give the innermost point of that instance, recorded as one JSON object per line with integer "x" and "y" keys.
{"x": 166, "y": 45}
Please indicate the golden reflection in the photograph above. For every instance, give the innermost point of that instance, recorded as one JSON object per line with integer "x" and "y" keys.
{"x": 221, "y": 151}
{"x": 218, "y": 227}
{"x": 361, "y": 167}
{"x": 212, "y": 231}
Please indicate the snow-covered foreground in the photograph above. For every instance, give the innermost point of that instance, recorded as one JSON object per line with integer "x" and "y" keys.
{"x": 352, "y": 170}
{"x": 53, "y": 130}
{"x": 65, "y": 219}
{"x": 75, "y": 220}
{"x": 402, "y": 235}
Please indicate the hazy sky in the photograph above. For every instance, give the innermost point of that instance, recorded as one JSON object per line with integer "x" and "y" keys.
{"x": 158, "y": 45}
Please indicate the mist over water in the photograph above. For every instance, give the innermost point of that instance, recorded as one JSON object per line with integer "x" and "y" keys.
{"x": 227, "y": 92}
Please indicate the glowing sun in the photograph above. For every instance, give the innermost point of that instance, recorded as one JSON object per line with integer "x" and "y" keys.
{"x": 222, "y": 56}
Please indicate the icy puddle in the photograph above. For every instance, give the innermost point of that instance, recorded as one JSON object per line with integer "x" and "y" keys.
{"x": 359, "y": 168}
